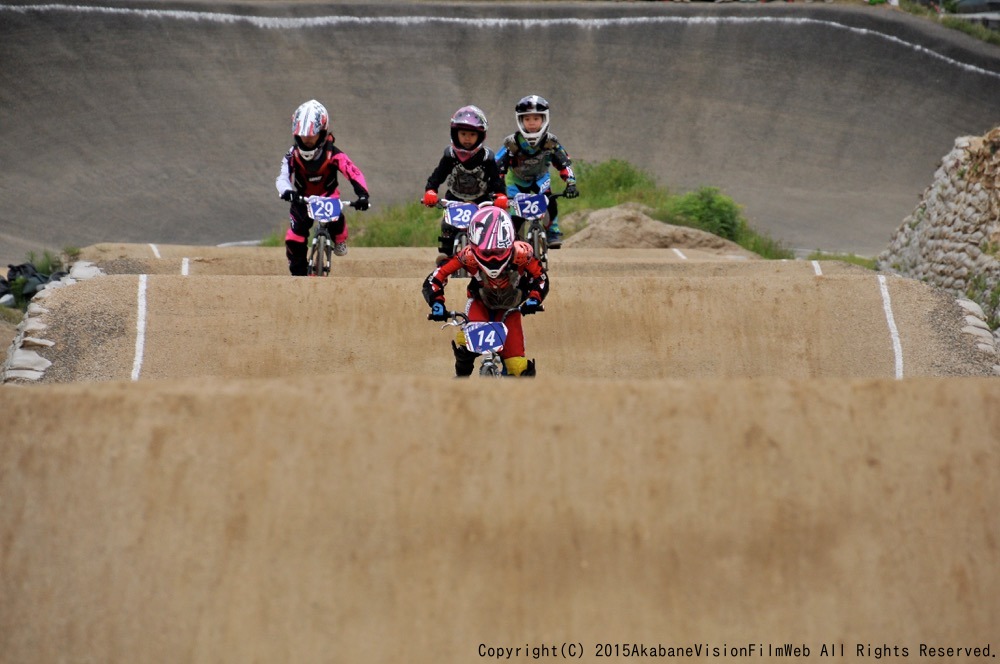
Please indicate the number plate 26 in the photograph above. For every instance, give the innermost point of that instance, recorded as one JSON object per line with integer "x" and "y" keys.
{"x": 532, "y": 206}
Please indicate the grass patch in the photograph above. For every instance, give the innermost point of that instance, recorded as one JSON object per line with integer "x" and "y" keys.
{"x": 11, "y": 316}
{"x": 986, "y": 296}
{"x": 402, "y": 225}
{"x": 932, "y": 12}
{"x": 275, "y": 239}
{"x": 853, "y": 259}
{"x": 47, "y": 262}
{"x": 973, "y": 29}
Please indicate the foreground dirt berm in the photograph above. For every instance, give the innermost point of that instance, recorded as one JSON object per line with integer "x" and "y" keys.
{"x": 715, "y": 452}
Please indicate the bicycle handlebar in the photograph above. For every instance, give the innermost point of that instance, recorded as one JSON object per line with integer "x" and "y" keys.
{"x": 343, "y": 203}
{"x": 459, "y": 318}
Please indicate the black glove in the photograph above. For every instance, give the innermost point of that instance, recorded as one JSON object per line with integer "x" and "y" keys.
{"x": 292, "y": 196}
{"x": 530, "y": 306}
{"x": 438, "y": 312}
{"x": 570, "y": 191}
{"x": 361, "y": 204}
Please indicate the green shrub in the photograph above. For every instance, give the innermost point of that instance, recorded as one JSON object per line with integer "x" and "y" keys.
{"x": 711, "y": 211}
{"x": 46, "y": 263}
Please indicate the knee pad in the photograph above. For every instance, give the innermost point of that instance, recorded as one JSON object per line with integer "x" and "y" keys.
{"x": 518, "y": 366}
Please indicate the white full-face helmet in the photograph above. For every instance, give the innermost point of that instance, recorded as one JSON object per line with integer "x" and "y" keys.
{"x": 532, "y": 105}
{"x": 310, "y": 120}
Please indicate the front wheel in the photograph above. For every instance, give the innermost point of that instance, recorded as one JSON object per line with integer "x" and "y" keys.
{"x": 461, "y": 242}
{"x": 540, "y": 244}
{"x": 491, "y": 368}
{"x": 320, "y": 256}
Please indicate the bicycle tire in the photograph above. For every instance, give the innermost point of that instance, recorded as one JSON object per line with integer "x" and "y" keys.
{"x": 311, "y": 263}
{"x": 539, "y": 245}
{"x": 491, "y": 367}
{"x": 461, "y": 242}
{"x": 327, "y": 256}
{"x": 319, "y": 257}
{"x": 487, "y": 370}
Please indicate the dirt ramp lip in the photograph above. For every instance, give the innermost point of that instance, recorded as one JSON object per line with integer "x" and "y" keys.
{"x": 780, "y": 320}
{"x": 688, "y": 502}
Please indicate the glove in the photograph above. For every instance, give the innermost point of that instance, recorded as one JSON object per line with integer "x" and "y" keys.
{"x": 530, "y": 306}
{"x": 570, "y": 191}
{"x": 500, "y": 201}
{"x": 430, "y": 198}
{"x": 438, "y": 312}
{"x": 289, "y": 195}
{"x": 361, "y": 204}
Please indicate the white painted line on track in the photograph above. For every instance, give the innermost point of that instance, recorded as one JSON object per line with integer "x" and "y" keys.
{"x": 156, "y": 252}
{"x": 140, "y": 329}
{"x": 816, "y": 269}
{"x": 185, "y": 267}
{"x": 680, "y": 253}
{"x": 897, "y": 346}
{"x": 279, "y": 23}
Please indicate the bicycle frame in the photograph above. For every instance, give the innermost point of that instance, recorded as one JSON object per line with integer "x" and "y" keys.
{"x": 534, "y": 209}
{"x": 324, "y": 211}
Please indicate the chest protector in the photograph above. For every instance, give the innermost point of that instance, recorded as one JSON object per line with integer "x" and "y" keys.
{"x": 317, "y": 177}
{"x": 502, "y": 292}
{"x": 468, "y": 184}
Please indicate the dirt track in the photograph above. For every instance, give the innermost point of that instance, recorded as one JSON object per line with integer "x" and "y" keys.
{"x": 716, "y": 451}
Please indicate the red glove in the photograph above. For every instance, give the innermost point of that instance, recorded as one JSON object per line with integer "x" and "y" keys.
{"x": 500, "y": 201}
{"x": 430, "y": 198}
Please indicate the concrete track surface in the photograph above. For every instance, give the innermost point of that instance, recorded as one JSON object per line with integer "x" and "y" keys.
{"x": 165, "y": 121}
{"x": 715, "y": 453}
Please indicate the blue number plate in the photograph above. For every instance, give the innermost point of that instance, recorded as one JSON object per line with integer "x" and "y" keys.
{"x": 484, "y": 337}
{"x": 324, "y": 209}
{"x": 459, "y": 216}
{"x": 531, "y": 206}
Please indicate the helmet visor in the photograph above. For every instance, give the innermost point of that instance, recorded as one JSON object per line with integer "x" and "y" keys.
{"x": 493, "y": 260}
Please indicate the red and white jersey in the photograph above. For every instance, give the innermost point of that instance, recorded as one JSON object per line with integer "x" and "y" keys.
{"x": 524, "y": 277}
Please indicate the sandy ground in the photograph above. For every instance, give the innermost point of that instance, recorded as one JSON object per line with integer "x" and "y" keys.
{"x": 716, "y": 453}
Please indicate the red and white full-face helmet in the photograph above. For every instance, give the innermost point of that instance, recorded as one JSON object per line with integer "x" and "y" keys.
{"x": 310, "y": 121}
{"x": 470, "y": 118}
{"x": 491, "y": 238}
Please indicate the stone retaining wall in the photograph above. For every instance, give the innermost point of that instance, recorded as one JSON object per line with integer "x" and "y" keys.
{"x": 952, "y": 238}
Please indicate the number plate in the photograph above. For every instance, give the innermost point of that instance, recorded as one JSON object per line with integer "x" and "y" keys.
{"x": 459, "y": 216}
{"x": 484, "y": 337}
{"x": 531, "y": 206}
{"x": 324, "y": 209}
